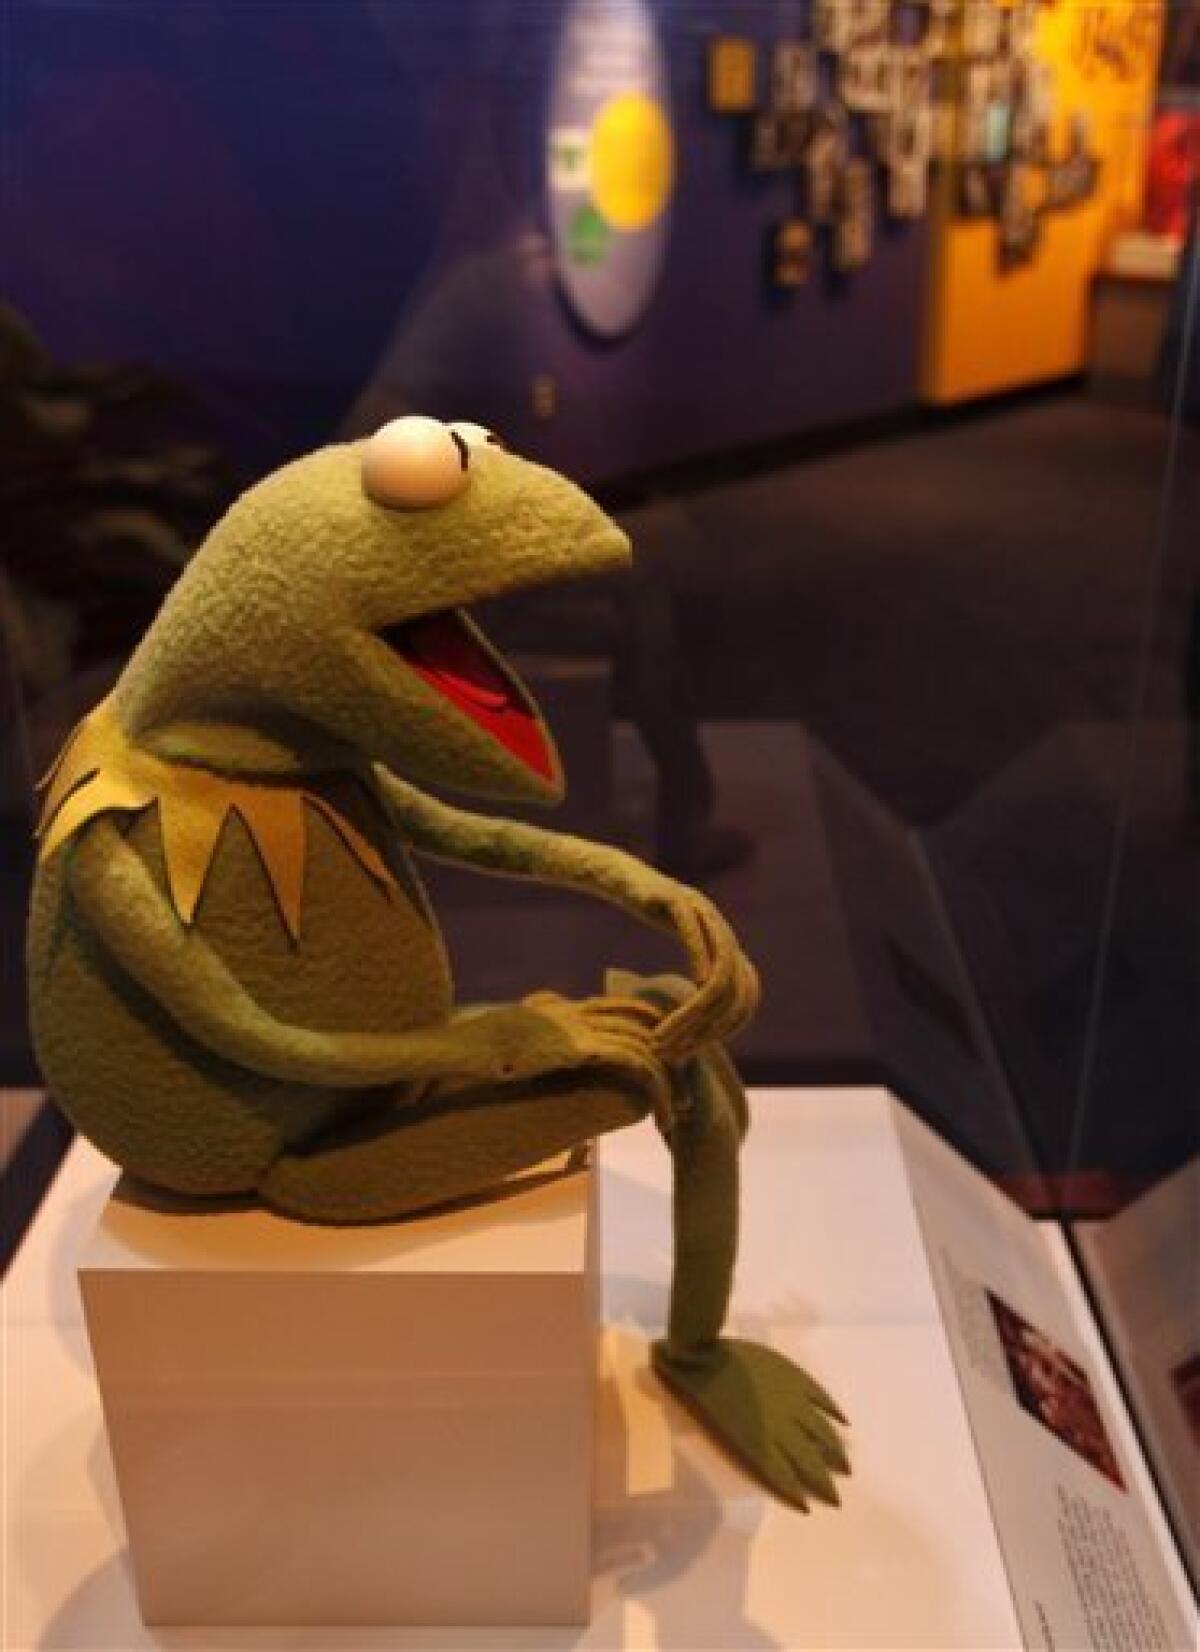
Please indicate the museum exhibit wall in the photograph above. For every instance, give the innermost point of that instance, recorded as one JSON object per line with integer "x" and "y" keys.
{"x": 289, "y": 206}
{"x": 312, "y": 214}
{"x": 994, "y": 324}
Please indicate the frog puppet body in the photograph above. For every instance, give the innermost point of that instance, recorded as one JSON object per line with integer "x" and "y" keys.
{"x": 237, "y": 983}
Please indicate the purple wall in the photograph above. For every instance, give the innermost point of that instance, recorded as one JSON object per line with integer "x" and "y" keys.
{"x": 286, "y": 204}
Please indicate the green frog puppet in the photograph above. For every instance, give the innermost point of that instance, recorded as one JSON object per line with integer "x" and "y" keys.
{"x": 238, "y": 985}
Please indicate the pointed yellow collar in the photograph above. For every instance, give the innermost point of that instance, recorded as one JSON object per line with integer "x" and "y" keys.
{"x": 100, "y": 770}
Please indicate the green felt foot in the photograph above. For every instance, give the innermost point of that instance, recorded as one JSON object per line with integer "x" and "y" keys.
{"x": 768, "y": 1413}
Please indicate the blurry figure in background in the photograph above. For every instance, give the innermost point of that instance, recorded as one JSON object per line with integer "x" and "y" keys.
{"x": 105, "y": 491}
{"x": 461, "y": 343}
{"x": 632, "y": 622}
{"x": 654, "y": 685}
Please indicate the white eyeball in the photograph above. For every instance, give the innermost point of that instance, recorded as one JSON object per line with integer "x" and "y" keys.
{"x": 475, "y": 435}
{"x": 414, "y": 463}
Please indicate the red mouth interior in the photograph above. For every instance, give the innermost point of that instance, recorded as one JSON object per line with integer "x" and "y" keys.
{"x": 444, "y": 653}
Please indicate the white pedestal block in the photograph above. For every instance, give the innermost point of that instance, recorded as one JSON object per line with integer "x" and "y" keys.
{"x": 387, "y": 1425}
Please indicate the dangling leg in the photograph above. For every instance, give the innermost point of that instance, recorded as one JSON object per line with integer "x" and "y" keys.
{"x": 395, "y": 1161}
{"x": 765, "y": 1410}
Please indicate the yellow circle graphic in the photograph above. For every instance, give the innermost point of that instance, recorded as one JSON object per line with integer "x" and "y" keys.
{"x": 633, "y": 160}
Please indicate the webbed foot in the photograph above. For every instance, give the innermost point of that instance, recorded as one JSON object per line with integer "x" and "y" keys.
{"x": 767, "y": 1412}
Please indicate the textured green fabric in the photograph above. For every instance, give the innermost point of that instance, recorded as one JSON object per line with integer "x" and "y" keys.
{"x": 765, "y": 1410}
{"x": 292, "y": 1031}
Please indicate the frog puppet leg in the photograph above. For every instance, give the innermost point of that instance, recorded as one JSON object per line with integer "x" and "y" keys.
{"x": 768, "y": 1412}
{"x": 774, "y": 1418}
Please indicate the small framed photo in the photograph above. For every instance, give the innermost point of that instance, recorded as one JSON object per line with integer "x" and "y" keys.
{"x": 732, "y": 75}
{"x": 1002, "y": 80}
{"x": 778, "y": 143}
{"x": 766, "y": 144}
{"x": 793, "y": 78}
{"x": 936, "y": 37}
{"x": 827, "y": 146}
{"x": 912, "y": 78}
{"x": 975, "y": 192}
{"x": 945, "y": 99}
{"x": 866, "y": 79}
{"x": 868, "y": 20}
{"x": 982, "y": 28}
{"x": 976, "y": 102}
{"x": 1020, "y": 234}
{"x": 823, "y": 188}
{"x": 832, "y": 25}
{"x": 791, "y": 253}
{"x": 998, "y": 138}
{"x": 907, "y": 188}
{"x": 1075, "y": 177}
{"x": 1021, "y": 19}
{"x": 854, "y": 226}
{"x": 1021, "y": 131}
{"x": 1039, "y": 95}
{"x": 797, "y": 134}
{"x": 1020, "y": 221}
{"x": 943, "y": 129}
{"x": 1071, "y": 181}
{"x": 910, "y": 135}
{"x": 879, "y": 136}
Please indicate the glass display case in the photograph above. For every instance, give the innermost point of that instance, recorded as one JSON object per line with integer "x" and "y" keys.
{"x": 855, "y": 319}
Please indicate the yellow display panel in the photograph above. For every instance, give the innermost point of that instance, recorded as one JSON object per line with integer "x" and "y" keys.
{"x": 990, "y": 328}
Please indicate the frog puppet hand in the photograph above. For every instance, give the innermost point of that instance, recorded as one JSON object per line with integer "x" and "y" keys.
{"x": 726, "y": 984}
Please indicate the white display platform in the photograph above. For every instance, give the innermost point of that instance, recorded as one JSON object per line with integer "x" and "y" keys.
{"x": 315, "y": 1425}
{"x": 688, "y": 1553}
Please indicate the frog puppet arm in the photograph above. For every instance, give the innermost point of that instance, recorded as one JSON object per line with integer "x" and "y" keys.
{"x": 129, "y": 913}
{"x": 726, "y": 983}
{"x": 237, "y": 984}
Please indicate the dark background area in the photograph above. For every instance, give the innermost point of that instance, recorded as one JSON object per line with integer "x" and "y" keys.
{"x": 276, "y": 202}
{"x": 939, "y": 662}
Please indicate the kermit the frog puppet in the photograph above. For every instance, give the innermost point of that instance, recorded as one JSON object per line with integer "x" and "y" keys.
{"x": 237, "y": 983}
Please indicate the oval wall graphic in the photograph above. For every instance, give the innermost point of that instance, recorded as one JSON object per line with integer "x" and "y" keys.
{"x": 610, "y": 162}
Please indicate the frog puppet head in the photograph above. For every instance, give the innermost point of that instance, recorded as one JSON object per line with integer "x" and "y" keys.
{"x": 327, "y": 612}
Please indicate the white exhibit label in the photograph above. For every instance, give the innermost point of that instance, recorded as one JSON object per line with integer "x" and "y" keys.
{"x": 1069, "y": 1493}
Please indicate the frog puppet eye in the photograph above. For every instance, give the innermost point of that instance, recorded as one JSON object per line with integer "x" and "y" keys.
{"x": 414, "y": 463}
{"x": 475, "y": 435}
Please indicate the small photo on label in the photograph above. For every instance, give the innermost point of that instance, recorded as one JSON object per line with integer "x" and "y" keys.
{"x": 1054, "y": 1389}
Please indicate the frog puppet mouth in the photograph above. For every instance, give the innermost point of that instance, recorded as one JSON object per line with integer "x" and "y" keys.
{"x": 450, "y": 654}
